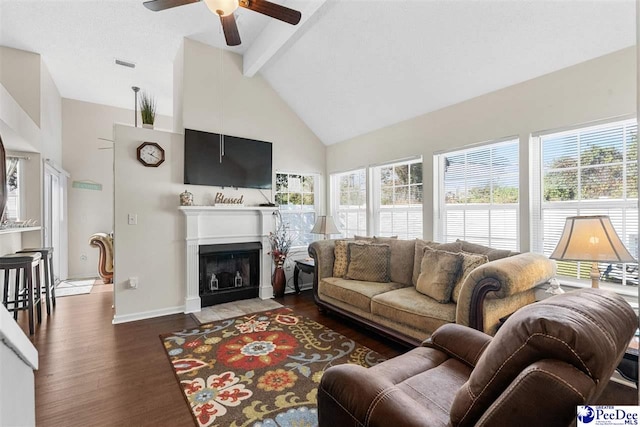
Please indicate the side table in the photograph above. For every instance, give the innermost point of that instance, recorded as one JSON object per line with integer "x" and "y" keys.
{"x": 628, "y": 367}
{"x": 304, "y": 265}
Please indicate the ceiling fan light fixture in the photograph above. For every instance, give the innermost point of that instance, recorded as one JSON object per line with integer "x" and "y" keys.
{"x": 222, "y": 7}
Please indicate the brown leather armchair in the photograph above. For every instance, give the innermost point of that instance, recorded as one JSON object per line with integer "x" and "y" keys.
{"x": 104, "y": 242}
{"x": 546, "y": 359}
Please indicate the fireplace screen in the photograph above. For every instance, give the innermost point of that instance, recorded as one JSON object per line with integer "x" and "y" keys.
{"x": 229, "y": 272}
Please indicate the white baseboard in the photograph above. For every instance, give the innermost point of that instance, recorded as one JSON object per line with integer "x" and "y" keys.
{"x": 147, "y": 314}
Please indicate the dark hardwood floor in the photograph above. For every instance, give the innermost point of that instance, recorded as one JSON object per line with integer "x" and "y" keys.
{"x": 93, "y": 373}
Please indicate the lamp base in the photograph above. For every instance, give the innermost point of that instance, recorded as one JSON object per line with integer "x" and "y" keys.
{"x": 595, "y": 275}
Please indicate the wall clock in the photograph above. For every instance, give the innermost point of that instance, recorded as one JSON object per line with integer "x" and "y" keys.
{"x": 150, "y": 154}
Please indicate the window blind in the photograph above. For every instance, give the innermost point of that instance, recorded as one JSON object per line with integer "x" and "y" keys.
{"x": 479, "y": 195}
{"x": 589, "y": 171}
{"x": 349, "y": 192}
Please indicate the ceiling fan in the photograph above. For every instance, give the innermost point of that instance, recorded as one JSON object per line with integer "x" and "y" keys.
{"x": 225, "y": 8}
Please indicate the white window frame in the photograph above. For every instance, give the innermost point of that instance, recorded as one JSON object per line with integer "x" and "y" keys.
{"x": 376, "y": 203}
{"x": 441, "y": 208}
{"x": 20, "y": 204}
{"x": 302, "y": 209}
{"x": 347, "y": 229}
{"x": 539, "y": 205}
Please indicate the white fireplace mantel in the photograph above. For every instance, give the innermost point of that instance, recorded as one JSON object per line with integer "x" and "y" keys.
{"x": 214, "y": 225}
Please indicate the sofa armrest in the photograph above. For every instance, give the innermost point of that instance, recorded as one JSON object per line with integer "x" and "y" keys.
{"x": 461, "y": 342}
{"x": 322, "y": 253}
{"x": 503, "y": 279}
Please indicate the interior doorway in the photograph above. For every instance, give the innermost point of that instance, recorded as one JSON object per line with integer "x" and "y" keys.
{"x": 55, "y": 217}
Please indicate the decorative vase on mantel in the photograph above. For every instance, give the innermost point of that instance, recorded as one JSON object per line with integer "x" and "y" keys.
{"x": 278, "y": 281}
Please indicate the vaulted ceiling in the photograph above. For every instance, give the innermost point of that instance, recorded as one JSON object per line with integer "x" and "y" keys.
{"x": 349, "y": 67}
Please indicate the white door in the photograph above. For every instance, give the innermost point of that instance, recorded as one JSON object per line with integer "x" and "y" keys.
{"x": 55, "y": 219}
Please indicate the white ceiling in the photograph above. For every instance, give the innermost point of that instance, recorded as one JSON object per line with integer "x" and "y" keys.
{"x": 353, "y": 67}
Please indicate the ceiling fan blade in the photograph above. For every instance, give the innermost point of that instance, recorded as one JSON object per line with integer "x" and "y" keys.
{"x": 158, "y": 5}
{"x": 273, "y": 10}
{"x": 230, "y": 30}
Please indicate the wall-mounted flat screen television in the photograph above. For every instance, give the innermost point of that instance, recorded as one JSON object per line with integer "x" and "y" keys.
{"x": 237, "y": 162}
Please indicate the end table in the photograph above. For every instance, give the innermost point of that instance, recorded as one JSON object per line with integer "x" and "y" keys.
{"x": 304, "y": 265}
{"x": 628, "y": 367}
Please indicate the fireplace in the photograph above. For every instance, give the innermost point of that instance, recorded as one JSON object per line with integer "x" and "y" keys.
{"x": 229, "y": 272}
{"x": 222, "y": 225}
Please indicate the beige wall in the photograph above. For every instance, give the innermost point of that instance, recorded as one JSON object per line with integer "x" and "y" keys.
{"x": 30, "y": 121}
{"x": 20, "y": 75}
{"x": 178, "y": 88}
{"x": 50, "y": 118}
{"x": 601, "y": 88}
{"x": 252, "y": 109}
{"x": 90, "y": 211}
{"x": 153, "y": 250}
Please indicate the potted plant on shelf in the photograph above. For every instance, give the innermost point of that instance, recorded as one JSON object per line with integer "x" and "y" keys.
{"x": 147, "y": 110}
{"x": 280, "y": 241}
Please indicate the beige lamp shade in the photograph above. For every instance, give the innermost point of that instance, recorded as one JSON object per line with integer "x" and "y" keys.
{"x": 325, "y": 225}
{"x": 591, "y": 238}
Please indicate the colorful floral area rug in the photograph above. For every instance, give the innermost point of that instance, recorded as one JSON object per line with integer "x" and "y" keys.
{"x": 258, "y": 370}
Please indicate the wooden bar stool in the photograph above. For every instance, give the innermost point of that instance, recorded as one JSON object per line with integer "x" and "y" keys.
{"x": 27, "y": 296}
{"x": 49, "y": 278}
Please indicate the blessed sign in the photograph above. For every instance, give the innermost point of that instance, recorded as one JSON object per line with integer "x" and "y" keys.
{"x": 220, "y": 199}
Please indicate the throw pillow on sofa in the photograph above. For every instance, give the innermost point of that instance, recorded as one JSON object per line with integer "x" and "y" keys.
{"x": 368, "y": 262}
{"x": 402, "y": 256}
{"x": 439, "y": 272}
{"x": 340, "y": 254}
{"x": 469, "y": 263}
{"x": 491, "y": 253}
{"x": 419, "y": 252}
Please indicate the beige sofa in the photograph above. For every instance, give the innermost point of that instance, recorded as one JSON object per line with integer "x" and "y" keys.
{"x": 397, "y": 310}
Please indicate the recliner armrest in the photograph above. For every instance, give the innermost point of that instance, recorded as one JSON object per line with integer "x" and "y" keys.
{"x": 461, "y": 342}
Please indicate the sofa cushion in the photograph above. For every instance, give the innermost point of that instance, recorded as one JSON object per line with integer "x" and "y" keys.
{"x": 369, "y": 262}
{"x": 340, "y": 261}
{"x": 491, "y": 253}
{"x": 439, "y": 272}
{"x": 419, "y": 252}
{"x": 470, "y": 262}
{"x": 409, "y": 307}
{"x": 355, "y": 292}
{"x": 402, "y": 255}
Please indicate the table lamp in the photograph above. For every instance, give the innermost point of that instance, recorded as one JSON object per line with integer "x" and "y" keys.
{"x": 591, "y": 238}
{"x": 325, "y": 225}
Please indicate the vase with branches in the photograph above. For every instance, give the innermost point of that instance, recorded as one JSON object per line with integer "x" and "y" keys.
{"x": 147, "y": 109}
{"x": 280, "y": 242}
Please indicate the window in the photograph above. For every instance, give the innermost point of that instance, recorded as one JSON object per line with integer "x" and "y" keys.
{"x": 397, "y": 199}
{"x": 14, "y": 200}
{"x": 478, "y": 195}
{"x": 588, "y": 171}
{"x": 296, "y": 197}
{"x": 349, "y": 190}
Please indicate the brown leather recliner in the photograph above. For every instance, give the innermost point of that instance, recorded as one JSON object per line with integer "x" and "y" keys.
{"x": 546, "y": 359}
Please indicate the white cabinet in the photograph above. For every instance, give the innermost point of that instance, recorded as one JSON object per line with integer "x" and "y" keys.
{"x": 18, "y": 360}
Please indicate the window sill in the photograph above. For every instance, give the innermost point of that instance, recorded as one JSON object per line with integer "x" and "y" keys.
{"x": 19, "y": 230}
{"x": 629, "y": 293}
